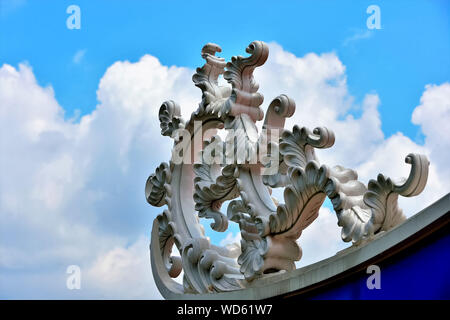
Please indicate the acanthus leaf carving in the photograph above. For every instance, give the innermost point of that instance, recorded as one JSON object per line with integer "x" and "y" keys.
{"x": 211, "y": 193}
{"x": 206, "y": 77}
{"x": 303, "y": 198}
{"x": 382, "y": 194}
{"x": 270, "y": 229}
{"x": 239, "y": 73}
{"x": 170, "y": 118}
{"x": 156, "y": 185}
{"x": 166, "y": 240}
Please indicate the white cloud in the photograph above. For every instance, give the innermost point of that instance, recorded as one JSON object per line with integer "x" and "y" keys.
{"x": 321, "y": 239}
{"x": 231, "y": 240}
{"x": 124, "y": 273}
{"x": 433, "y": 116}
{"x": 72, "y": 193}
{"x": 318, "y": 84}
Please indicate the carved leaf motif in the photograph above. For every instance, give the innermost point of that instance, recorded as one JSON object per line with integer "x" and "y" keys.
{"x": 303, "y": 199}
{"x": 346, "y": 195}
{"x": 244, "y": 96}
{"x": 210, "y": 193}
{"x": 296, "y": 146}
{"x": 166, "y": 231}
{"x": 207, "y": 268}
{"x": 170, "y": 118}
{"x": 206, "y": 77}
{"x": 251, "y": 259}
{"x": 253, "y": 246}
{"x": 383, "y": 193}
{"x": 242, "y": 140}
{"x": 280, "y": 108}
{"x": 376, "y": 209}
{"x": 269, "y": 230}
{"x": 156, "y": 186}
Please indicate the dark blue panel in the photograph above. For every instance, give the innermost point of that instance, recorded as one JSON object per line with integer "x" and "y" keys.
{"x": 422, "y": 273}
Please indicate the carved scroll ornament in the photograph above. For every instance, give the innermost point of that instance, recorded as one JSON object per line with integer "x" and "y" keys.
{"x": 194, "y": 188}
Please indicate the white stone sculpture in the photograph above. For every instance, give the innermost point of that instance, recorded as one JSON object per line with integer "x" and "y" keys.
{"x": 195, "y": 188}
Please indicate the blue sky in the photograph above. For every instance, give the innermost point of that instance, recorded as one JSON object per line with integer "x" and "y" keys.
{"x": 108, "y": 152}
{"x": 411, "y": 50}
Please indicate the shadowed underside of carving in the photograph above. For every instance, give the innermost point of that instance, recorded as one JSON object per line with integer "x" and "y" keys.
{"x": 270, "y": 229}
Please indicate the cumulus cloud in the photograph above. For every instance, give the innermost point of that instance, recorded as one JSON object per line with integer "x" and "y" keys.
{"x": 433, "y": 116}
{"x": 72, "y": 192}
{"x": 123, "y": 273}
{"x": 318, "y": 84}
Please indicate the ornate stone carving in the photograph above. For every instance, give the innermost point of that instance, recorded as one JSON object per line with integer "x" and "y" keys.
{"x": 170, "y": 118}
{"x": 215, "y": 171}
